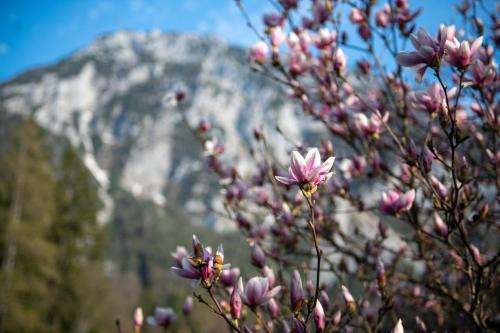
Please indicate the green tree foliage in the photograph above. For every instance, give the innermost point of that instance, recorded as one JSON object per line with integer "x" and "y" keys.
{"x": 26, "y": 213}
{"x": 51, "y": 274}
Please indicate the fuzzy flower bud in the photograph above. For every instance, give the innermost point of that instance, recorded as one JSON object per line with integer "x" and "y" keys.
{"x": 138, "y": 320}
{"x": 319, "y": 316}
{"x": 349, "y": 301}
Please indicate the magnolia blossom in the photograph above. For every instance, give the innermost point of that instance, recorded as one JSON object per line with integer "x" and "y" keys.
{"x": 394, "y": 202}
{"x": 163, "y": 317}
{"x": 259, "y": 52}
{"x": 325, "y": 38}
{"x": 428, "y": 51}
{"x": 369, "y": 126}
{"x": 308, "y": 170}
{"x": 230, "y": 277}
{"x": 257, "y": 292}
{"x": 460, "y": 54}
{"x": 201, "y": 265}
{"x": 382, "y": 16}
{"x": 430, "y": 100}
{"x": 482, "y": 75}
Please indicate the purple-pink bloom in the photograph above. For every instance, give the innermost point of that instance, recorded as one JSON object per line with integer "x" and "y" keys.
{"x": 394, "y": 202}
{"x": 428, "y": 51}
{"x": 430, "y": 100}
{"x": 163, "y": 317}
{"x": 308, "y": 170}
{"x": 258, "y": 52}
{"x": 256, "y": 291}
{"x": 460, "y": 54}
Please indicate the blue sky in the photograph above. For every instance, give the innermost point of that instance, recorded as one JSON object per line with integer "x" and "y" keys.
{"x": 34, "y": 32}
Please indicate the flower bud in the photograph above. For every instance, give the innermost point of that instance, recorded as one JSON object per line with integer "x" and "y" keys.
{"x": 273, "y": 309}
{"x": 269, "y": 274}
{"x": 399, "y": 327}
{"x": 476, "y": 254}
{"x": 188, "y": 306}
{"x": 439, "y": 226}
{"x": 337, "y": 316}
{"x": 380, "y": 274}
{"x": 325, "y": 300}
{"x": 296, "y": 292}
{"x": 319, "y": 316}
{"x": 236, "y": 303}
{"x": 349, "y": 301}
{"x": 138, "y": 320}
{"x": 420, "y": 325}
{"x": 257, "y": 255}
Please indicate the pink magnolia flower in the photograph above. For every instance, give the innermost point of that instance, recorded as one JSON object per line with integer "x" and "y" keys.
{"x": 257, "y": 292}
{"x": 428, "y": 51}
{"x": 259, "y": 53}
{"x": 460, "y": 54}
{"x": 298, "y": 63}
{"x": 369, "y": 126}
{"x": 394, "y": 202}
{"x": 277, "y": 37}
{"x": 430, "y": 100}
{"x": 325, "y": 38}
{"x": 308, "y": 170}
{"x": 482, "y": 75}
{"x": 163, "y": 317}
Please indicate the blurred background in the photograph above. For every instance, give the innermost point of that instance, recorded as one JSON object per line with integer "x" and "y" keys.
{"x": 100, "y": 179}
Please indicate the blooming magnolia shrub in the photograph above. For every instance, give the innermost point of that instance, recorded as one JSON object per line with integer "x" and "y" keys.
{"x": 419, "y": 171}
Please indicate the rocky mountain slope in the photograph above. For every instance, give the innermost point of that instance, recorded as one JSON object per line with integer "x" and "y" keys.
{"x": 108, "y": 101}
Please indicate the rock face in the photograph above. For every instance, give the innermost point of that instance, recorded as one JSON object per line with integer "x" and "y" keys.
{"x": 106, "y": 99}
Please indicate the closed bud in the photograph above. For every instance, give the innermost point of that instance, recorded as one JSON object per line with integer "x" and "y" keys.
{"x": 420, "y": 325}
{"x": 439, "y": 226}
{"x": 399, "y": 327}
{"x": 427, "y": 158}
{"x": 337, "y": 316}
{"x": 325, "y": 300}
{"x": 296, "y": 292}
{"x": 380, "y": 274}
{"x": 188, "y": 306}
{"x": 236, "y": 303}
{"x": 258, "y": 257}
{"x": 138, "y": 320}
{"x": 349, "y": 301}
{"x": 319, "y": 316}
{"x": 273, "y": 309}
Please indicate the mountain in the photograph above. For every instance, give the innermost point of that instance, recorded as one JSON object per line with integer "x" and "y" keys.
{"x": 108, "y": 100}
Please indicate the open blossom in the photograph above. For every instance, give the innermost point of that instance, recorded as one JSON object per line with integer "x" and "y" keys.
{"x": 394, "y": 202}
{"x": 308, "y": 170}
{"x": 369, "y": 126}
{"x": 201, "y": 265}
{"x": 460, "y": 54}
{"x": 259, "y": 52}
{"x": 256, "y": 291}
{"x": 482, "y": 75}
{"x": 430, "y": 100}
{"x": 163, "y": 317}
{"x": 428, "y": 51}
{"x": 325, "y": 38}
